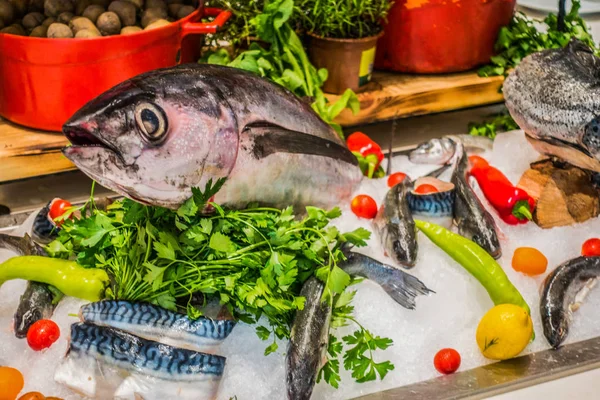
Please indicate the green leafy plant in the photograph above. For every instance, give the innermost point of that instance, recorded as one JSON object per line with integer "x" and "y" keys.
{"x": 498, "y": 123}
{"x": 286, "y": 62}
{"x": 253, "y": 261}
{"x": 238, "y": 29}
{"x": 521, "y": 38}
{"x": 348, "y": 19}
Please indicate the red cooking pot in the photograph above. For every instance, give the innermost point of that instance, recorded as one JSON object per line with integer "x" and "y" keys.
{"x": 44, "y": 81}
{"x": 438, "y": 36}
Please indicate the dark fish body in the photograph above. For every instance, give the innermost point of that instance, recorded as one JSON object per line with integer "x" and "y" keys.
{"x": 156, "y": 323}
{"x": 395, "y": 225}
{"x": 37, "y": 301}
{"x": 471, "y": 217}
{"x": 44, "y": 230}
{"x": 403, "y": 288}
{"x": 309, "y": 338}
{"x": 157, "y": 135}
{"x": 554, "y": 96}
{"x": 562, "y": 292}
{"x": 109, "y": 363}
{"x": 438, "y": 204}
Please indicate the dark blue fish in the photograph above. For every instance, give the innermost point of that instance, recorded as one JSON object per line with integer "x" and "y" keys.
{"x": 156, "y": 323}
{"x": 44, "y": 230}
{"x": 439, "y": 204}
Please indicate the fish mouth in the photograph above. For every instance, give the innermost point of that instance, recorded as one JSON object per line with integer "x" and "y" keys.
{"x": 81, "y": 138}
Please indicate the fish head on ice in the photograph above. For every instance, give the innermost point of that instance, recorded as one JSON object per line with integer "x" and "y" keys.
{"x": 557, "y": 327}
{"x": 434, "y": 151}
{"x": 153, "y": 137}
{"x": 554, "y": 96}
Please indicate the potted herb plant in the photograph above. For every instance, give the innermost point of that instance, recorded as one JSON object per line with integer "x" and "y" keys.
{"x": 342, "y": 38}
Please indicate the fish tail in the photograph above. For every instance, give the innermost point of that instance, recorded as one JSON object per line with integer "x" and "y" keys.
{"x": 404, "y": 288}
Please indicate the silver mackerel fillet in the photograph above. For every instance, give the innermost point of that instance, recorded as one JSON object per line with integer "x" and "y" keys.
{"x": 154, "y": 137}
{"x": 156, "y": 323}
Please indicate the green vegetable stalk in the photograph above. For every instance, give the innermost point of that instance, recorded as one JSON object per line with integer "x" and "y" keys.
{"x": 477, "y": 261}
{"x": 67, "y": 276}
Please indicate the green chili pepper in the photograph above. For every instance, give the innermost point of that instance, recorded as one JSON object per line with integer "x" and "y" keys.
{"x": 67, "y": 276}
{"x": 477, "y": 261}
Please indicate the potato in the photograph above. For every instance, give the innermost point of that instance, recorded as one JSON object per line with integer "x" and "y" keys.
{"x": 32, "y": 20}
{"x": 103, "y": 3}
{"x": 185, "y": 11}
{"x": 7, "y": 12}
{"x": 126, "y": 12}
{"x": 48, "y": 21}
{"x": 93, "y": 12}
{"x": 156, "y": 4}
{"x": 80, "y": 23}
{"x": 65, "y": 17}
{"x": 128, "y": 30}
{"x": 81, "y": 5}
{"x": 39, "y": 31}
{"x": 152, "y": 14}
{"x": 15, "y": 29}
{"x": 109, "y": 24}
{"x": 20, "y": 7}
{"x": 86, "y": 33}
{"x": 36, "y": 6}
{"x": 59, "y": 31}
{"x": 159, "y": 23}
{"x": 52, "y": 8}
{"x": 174, "y": 9}
{"x": 139, "y": 4}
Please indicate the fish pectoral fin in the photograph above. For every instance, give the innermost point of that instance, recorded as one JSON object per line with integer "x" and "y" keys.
{"x": 270, "y": 139}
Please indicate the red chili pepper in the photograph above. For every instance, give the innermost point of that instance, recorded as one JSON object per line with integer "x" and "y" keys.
{"x": 367, "y": 152}
{"x": 513, "y": 204}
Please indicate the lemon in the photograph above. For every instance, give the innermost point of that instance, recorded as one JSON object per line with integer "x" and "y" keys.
{"x": 504, "y": 331}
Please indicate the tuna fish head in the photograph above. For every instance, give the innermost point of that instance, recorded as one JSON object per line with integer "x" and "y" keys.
{"x": 554, "y": 96}
{"x": 154, "y": 137}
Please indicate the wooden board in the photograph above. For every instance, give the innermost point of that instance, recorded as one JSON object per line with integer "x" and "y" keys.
{"x": 25, "y": 153}
{"x": 392, "y": 95}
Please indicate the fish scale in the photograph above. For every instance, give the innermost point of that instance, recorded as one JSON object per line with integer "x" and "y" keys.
{"x": 131, "y": 353}
{"x": 437, "y": 203}
{"x": 156, "y": 323}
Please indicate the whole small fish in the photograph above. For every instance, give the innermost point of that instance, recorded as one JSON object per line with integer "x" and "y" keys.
{"x": 554, "y": 96}
{"x": 562, "y": 293}
{"x": 37, "y": 301}
{"x": 156, "y": 136}
{"x": 399, "y": 285}
{"x": 440, "y": 151}
{"x": 99, "y": 357}
{"x": 309, "y": 338}
{"x": 473, "y": 220}
{"x": 395, "y": 226}
{"x": 156, "y": 323}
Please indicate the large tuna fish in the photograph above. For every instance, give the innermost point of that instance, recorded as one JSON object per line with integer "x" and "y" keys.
{"x": 554, "y": 96}
{"x": 157, "y": 135}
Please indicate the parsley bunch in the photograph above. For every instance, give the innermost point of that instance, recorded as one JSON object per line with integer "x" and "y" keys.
{"x": 502, "y": 122}
{"x": 254, "y": 261}
{"x": 521, "y": 38}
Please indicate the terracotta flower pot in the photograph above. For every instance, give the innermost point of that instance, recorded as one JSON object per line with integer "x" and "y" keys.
{"x": 348, "y": 61}
{"x": 438, "y": 36}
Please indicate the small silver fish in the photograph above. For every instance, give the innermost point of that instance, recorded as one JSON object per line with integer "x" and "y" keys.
{"x": 440, "y": 151}
{"x": 563, "y": 291}
{"x": 309, "y": 338}
{"x": 403, "y": 288}
{"x": 109, "y": 363}
{"x": 395, "y": 225}
{"x": 156, "y": 323}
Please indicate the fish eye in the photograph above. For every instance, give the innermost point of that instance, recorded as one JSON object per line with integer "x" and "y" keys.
{"x": 151, "y": 121}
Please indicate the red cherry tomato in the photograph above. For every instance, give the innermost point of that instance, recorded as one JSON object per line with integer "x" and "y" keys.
{"x": 478, "y": 162}
{"x": 426, "y": 188}
{"x": 364, "y": 206}
{"x": 591, "y": 247}
{"x": 447, "y": 361}
{"x": 42, "y": 334}
{"x": 395, "y": 178}
{"x": 57, "y": 208}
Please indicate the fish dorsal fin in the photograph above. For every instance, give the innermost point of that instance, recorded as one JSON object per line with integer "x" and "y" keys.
{"x": 270, "y": 139}
{"x": 583, "y": 58}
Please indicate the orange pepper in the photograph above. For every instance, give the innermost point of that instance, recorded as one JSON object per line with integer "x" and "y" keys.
{"x": 529, "y": 261}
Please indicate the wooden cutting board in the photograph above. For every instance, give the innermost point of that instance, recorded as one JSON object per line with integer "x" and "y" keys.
{"x": 26, "y": 153}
